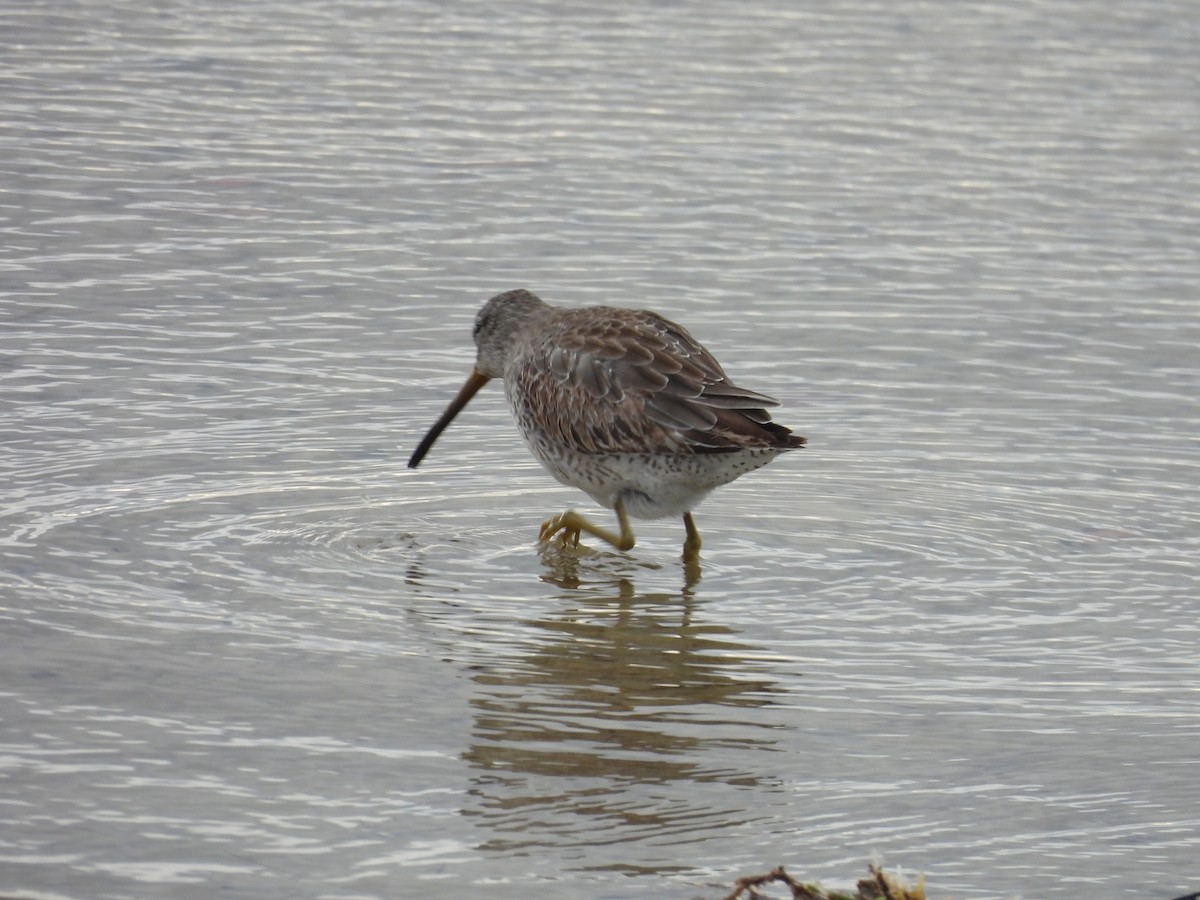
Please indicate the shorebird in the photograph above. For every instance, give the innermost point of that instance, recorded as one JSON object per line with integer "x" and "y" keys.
{"x": 623, "y": 404}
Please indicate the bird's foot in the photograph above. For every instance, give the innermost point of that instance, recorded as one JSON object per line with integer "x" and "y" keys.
{"x": 691, "y": 544}
{"x": 570, "y": 524}
{"x": 566, "y": 525}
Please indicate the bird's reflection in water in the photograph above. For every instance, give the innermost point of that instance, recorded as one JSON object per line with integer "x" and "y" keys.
{"x": 625, "y": 719}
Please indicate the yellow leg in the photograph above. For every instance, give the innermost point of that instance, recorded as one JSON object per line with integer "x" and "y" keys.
{"x": 691, "y": 544}
{"x": 571, "y": 523}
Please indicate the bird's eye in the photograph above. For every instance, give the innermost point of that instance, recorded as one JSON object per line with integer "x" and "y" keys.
{"x": 478, "y": 326}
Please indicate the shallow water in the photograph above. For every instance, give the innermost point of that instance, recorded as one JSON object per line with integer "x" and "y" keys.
{"x": 246, "y": 652}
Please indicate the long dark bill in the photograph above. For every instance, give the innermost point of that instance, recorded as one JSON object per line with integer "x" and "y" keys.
{"x": 476, "y": 380}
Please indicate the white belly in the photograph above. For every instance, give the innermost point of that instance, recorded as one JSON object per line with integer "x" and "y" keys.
{"x": 652, "y": 486}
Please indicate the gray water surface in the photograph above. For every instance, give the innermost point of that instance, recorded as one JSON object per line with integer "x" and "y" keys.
{"x": 244, "y": 652}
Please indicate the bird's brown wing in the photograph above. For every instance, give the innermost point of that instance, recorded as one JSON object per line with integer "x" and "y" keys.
{"x": 625, "y": 381}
